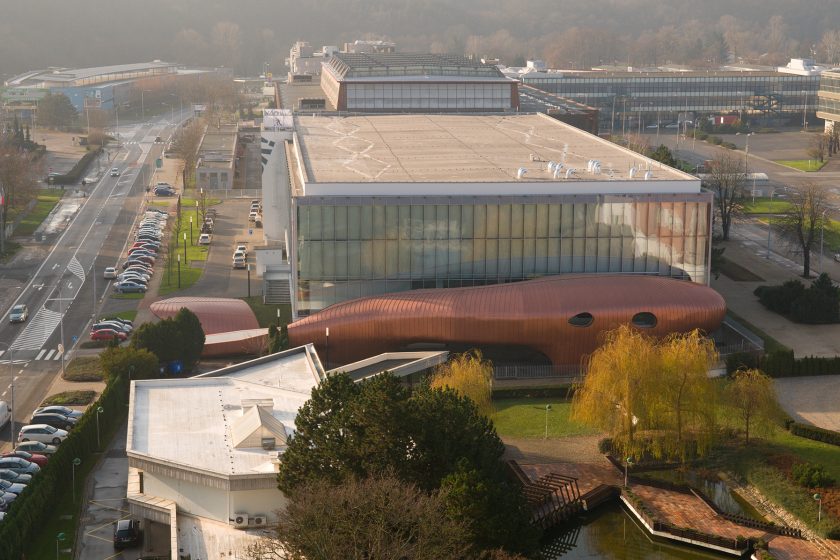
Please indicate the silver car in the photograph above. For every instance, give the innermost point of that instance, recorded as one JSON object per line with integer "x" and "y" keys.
{"x": 42, "y": 433}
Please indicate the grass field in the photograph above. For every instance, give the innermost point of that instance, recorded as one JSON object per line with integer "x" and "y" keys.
{"x": 764, "y": 205}
{"x": 83, "y": 368}
{"x": 70, "y": 398}
{"x": 46, "y": 202}
{"x": 527, "y": 418}
{"x": 802, "y": 164}
{"x": 267, "y": 314}
{"x": 117, "y": 295}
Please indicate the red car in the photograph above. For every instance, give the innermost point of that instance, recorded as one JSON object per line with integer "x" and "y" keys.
{"x": 107, "y": 334}
{"x": 40, "y": 460}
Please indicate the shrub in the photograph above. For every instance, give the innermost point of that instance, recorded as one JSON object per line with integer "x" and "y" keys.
{"x": 70, "y": 398}
{"x": 605, "y": 446}
{"x": 84, "y": 368}
{"x": 811, "y": 475}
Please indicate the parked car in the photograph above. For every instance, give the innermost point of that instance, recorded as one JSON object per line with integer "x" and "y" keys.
{"x": 109, "y": 325}
{"x": 12, "y": 476}
{"x": 252, "y": 215}
{"x": 238, "y": 254}
{"x": 137, "y": 262}
{"x": 109, "y": 334}
{"x": 115, "y": 172}
{"x": 65, "y": 410}
{"x": 36, "y": 447}
{"x": 204, "y": 239}
{"x": 7, "y": 497}
{"x": 12, "y": 487}
{"x": 110, "y": 272}
{"x": 129, "y": 287}
{"x": 127, "y": 327}
{"x": 126, "y": 533}
{"x": 141, "y": 268}
{"x": 137, "y": 277}
{"x": 38, "y": 459}
{"x": 55, "y": 420}
{"x": 19, "y": 465}
{"x": 164, "y": 191}
{"x": 19, "y": 313}
{"x": 42, "y": 433}
{"x": 151, "y": 210}
{"x": 242, "y": 248}
{"x": 90, "y": 180}
{"x": 239, "y": 262}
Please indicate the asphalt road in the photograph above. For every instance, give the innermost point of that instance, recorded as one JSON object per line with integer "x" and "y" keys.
{"x": 64, "y": 292}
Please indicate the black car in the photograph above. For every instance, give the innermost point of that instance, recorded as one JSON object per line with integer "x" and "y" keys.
{"x": 55, "y": 420}
{"x": 126, "y": 533}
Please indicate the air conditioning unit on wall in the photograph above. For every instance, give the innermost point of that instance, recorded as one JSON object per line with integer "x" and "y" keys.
{"x": 240, "y": 520}
{"x": 259, "y": 520}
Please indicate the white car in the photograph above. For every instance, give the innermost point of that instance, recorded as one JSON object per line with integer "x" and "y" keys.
{"x": 241, "y": 248}
{"x": 252, "y": 216}
{"x": 43, "y": 433}
{"x": 239, "y": 262}
{"x": 204, "y": 239}
{"x": 115, "y": 172}
{"x": 110, "y": 272}
{"x": 238, "y": 255}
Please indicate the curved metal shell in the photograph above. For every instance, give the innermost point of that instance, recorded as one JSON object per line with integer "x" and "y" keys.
{"x": 533, "y": 314}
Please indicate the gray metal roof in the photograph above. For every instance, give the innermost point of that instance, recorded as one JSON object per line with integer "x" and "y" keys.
{"x": 366, "y": 65}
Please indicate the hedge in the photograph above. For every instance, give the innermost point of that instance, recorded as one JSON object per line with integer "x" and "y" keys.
{"x": 78, "y": 170}
{"x": 781, "y": 363}
{"x": 27, "y": 515}
{"x": 814, "y": 433}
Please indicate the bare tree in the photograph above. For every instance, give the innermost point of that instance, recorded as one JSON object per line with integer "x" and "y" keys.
{"x": 727, "y": 176}
{"x": 803, "y": 221}
{"x": 830, "y": 46}
{"x": 187, "y": 142}
{"x": 818, "y": 147}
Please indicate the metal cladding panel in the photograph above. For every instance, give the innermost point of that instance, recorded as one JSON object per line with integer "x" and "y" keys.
{"x": 533, "y": 314}
{"x": 217, "y": 315}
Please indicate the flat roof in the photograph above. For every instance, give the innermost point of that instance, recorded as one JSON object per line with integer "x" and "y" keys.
{"x": 464, "y": 149}
{"x": 363, "y": 65}
{"x": 189, "y": 423}
{"x": 75, "y": 74}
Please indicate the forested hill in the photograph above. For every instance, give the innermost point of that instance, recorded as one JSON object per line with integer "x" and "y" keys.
{"x": 567, "y": 33}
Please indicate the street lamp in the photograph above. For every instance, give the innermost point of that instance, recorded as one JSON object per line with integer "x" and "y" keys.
{"x": 191, "y": 226}
{"x": 805, "y": 112}
{"x": 547, "y": 409}
{"x": 60, "y": 537}
{"x": 327, "y": 351}
{"x": 818, "y": 498}
{"x": 99, "y": 410}
{"x": 770, "y": 221}
{"x": 248, "y": 267}
{"x": 822, "y": 235}
{"x": 628, "y": 462}
{"x": 76, "y": 463}
{"x": 12, "y": 398}
{"x": 747, "y": 152}
{"x": 185, "y": 247}
{"x": 142, "y": 104}
{"x": 179, "y": 271}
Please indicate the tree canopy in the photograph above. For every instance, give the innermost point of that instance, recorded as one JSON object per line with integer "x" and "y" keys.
{"x": 752, "y": 396}
{"x": 355, "y": 431}
{"x": 468, "y": 375}
{"x": 56, "y": 110}
{"x": 179, "y": 338}
{"x": 125, "y": 360}
{"x": 651, "y": 396}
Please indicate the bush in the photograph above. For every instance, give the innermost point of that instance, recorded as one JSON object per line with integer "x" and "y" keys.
{"x": 84, "y": 368}
{"x": 605, "y": 446}
{"x": 70, "y": 398}
{"x": 810, "y": 475}
{"x": 815, "y": 433}
{"x": 818, "y": 304}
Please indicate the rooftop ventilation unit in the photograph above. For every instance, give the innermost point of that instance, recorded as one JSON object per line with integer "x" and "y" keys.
{"x": 570, "y": 172}
{"x": 240, "y": 520}
{"x": 596, "y": 167}
{"x": 648, "y": 175}
{"x": 558, "y": 171}
{"x": 520, "y": 173}
{"x": 632, "y": 173}
{"x": 550, "y": 166}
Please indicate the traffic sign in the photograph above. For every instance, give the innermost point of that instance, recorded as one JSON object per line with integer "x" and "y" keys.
{"x": 158, "y": 163}
{"x": 75, "y": 338}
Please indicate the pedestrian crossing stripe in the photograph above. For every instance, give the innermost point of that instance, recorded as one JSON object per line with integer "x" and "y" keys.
{"x": 38, "y": 330}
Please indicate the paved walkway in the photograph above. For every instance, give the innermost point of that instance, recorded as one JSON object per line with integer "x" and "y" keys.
{"x": 813, "y": 400}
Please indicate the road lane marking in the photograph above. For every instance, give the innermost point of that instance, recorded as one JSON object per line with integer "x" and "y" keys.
{"x": 41, "y": 353}
{"x": 49, "y": 354}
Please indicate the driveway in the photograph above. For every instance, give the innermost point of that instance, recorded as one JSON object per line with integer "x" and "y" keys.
{"x": 811, "y": 400}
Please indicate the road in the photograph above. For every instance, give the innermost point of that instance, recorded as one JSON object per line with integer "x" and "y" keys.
{"x": 64, "y": 292}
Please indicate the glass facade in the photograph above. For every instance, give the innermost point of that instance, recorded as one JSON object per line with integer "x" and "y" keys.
{"x": 829, "y": 97}
{"x": 423, "y": 96}
{"x": 721, "y": 91}
{"x": 354, "y": 247}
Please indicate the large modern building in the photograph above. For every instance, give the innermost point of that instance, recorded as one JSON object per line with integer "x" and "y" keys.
{"x": 650, "y": 95}
{"x": 376, "y": 204}
{"x": 215, "y": 167}
{"x": 427, "y": 83}
{"x": 828, "y": 106}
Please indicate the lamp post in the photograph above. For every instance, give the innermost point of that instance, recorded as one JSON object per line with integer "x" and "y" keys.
{"x": 248, "y": 267}
{"x": 805, "y": 111}
{"x": 822, "y": 235}
{"x": 76, "y": 463}
{"x": 628, "y": 462}
{"x": 818, "y": 498}
{"x": 547, "y": 409}
{"x": 99, "y": 410}
{"x": 179, "y": 271}
{"x": 191, "y": 226}
{"x": 60, "y": 537}
{"x": 747, "y": 152}
{"x": 185, "y": 248}
{"x": 142, "y": 104}
{"x": 12, "y": 391}
{"x": 770, "y": 222}
{"x": 327, "y": 351}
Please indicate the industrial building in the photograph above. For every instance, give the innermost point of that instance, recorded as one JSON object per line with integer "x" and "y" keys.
{"x": 651, "y": 96}
{"x": 215, "y": 167}
{"x": 368, "y": 205}
{"x": 427, "y": 83}
{"x": 828, "y": 105}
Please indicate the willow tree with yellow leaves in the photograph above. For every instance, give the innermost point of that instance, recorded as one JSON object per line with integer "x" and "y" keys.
{"x": 470, "y": 376}
{"x": 652, "y": 396}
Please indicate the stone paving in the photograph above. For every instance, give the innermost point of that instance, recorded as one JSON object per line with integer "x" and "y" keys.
{"x": 679, "y": 509}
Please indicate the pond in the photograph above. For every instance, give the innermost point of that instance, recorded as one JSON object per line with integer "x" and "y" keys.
{"x": 611, "y": 533}
{"x": 716, "y": 490}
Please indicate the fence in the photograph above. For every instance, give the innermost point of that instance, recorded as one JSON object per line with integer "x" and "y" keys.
{"x": 567, "y": 373}
{"x": 228, "y": 194}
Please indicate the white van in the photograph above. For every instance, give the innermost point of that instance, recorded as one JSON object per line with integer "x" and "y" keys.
{"x": 5, "y": 413}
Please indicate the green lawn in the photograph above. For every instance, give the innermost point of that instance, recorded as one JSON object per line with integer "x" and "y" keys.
{"x": 764, "y": 205}
{"x": 84, "y": 368}
{"x": 117, "y": 295}
{"x": 189, "y": 276}
{"x": 70, "y": 398}
{"x": 267, "y": 314}
{"x": 46, "y": 202}
{"x": 802, "y": 164}
{"x": 527, "y": 418}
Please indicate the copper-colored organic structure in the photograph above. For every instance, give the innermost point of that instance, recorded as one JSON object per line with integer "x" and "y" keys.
{"x": 561, "y": 316}
{"x": 216, "y": 315}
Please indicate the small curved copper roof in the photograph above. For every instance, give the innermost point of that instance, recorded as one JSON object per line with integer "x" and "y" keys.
{"x": 217, "y": 315}
{"x": 533, "y": 314}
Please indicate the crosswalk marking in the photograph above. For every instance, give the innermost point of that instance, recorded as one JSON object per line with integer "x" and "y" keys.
{"x": 75, "y": 267}
{"x": 50, "y": 353}
{"x": 58, "y": 355}
{"x": 2, "y": 352}
{"x": 37, "y": 330}
{"x": 41, "y": 353}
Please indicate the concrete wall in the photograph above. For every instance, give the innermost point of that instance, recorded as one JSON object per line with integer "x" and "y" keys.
{"x": 253, "y": 502}
{"x": 191, "y": 498}
{"x": 276, "y": 186}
